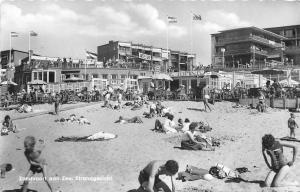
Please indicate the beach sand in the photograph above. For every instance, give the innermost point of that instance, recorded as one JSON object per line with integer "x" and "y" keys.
{"x": 117, "y": 162}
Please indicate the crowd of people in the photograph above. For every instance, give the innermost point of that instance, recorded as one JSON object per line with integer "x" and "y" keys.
{"x": 192, "y": 138}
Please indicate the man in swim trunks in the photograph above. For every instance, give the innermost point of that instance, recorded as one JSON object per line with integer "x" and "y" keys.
{"x": 149, "y": 176}
{"x": 279, "y": 165}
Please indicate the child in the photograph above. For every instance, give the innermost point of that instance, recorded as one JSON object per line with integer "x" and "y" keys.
{"x": 7, "y": 126}
{"x": 37, "y": 164}
{"x": 292, "y": 125}
{"x": 186, "y": 125}
{"x": 5, "y": 168}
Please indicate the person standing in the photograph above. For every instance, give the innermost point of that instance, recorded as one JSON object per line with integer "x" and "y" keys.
{"x": 292, "y": 124}
{"x": 56, "y": 103}
{"x": 205, "y": 98}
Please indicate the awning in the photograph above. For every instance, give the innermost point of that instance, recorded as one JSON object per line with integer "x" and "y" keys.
{"x": 268, "y": 72}
{"x": 37, "y": 82}
{"x": 8, "y": 83}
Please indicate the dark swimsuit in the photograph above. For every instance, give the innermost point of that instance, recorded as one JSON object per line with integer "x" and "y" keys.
{"x": 144, "y": 176}
{"x": 277, "y": 158}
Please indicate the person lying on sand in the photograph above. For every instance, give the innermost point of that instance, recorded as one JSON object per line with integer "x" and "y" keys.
{"x": 279, "y": 166}
{"x": 37, "y": 164}
{"x": 149, "y": 177}
{"x": 7, "y": 126}
{"x": 83, "y": 120}
{"x": 189, "y": 140}
{"x": 5, "y": 168}
{"x": 123, "y": 120}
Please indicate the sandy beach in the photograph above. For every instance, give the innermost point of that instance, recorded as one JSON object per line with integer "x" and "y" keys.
{"x": 117, "y": 162}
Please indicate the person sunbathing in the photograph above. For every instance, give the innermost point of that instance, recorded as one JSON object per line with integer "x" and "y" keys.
{"x": 7, "y": 126}
{"x": 149, "y": 177}
{"x": 83, "y": 120}
{"x": 279, "y": 166}
{"x": 37, "y": 163}
{"x": 190, "y": 141}
{"x": 123, "y": 120}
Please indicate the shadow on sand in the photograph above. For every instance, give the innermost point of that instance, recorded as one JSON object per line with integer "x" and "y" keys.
{"x": 196, "y": 109}
{"x": 19, "y": 190}
{"x": 238, "y": 180}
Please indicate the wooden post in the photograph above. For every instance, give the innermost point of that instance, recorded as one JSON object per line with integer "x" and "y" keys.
{"x": 252, "y": 101}
{"x": 284, "y": 102}
{"x": 297, "y": 103}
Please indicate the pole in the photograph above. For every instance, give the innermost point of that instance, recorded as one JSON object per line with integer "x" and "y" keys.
{"x": 191, "y": 32}
{"x": 168, "y": 40}
{"x": 29, "y": 55}
{"x": 85, "y": 69}
{"x": 9, "y": 48}
{"x": 223, "y": 60}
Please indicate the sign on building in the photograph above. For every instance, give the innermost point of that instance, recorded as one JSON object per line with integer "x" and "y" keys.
{"x": 145, "y": 56}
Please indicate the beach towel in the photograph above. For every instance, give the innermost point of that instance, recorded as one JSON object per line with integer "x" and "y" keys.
{"x": 193, "y": 173}
{"x": 101, "y": 136}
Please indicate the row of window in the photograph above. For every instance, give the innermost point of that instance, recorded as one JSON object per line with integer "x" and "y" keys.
{"x": 46, "y": 76}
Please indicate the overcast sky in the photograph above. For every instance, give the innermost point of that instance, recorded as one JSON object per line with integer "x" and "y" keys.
{"x": 67, "y": 27}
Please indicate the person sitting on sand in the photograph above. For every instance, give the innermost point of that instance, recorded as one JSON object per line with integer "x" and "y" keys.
{"x": 279, "y": 165}
{"x": 123, "y": 120}
{"x": 169, "y": 125}
{"x": 189, "y": 140}
{"x": 186, "y": 125}
{"x": 7, "y": 126}
{"x": 5, "y": 168}
{"x": 159, "y": 108}
{"x": 292, "y": 124}
{"x": 37, "y": 164}
{"x": 149, "y": 177}
{"x": 83, "y": 120}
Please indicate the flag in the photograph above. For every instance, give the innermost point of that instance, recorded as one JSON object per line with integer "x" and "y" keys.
{"x": 32, "y": 33}
{"x": 172, "y": 19}
{"x": 197, "y": 17}
{"x": 90, "y": 55}
{"x": 14, "y": 34}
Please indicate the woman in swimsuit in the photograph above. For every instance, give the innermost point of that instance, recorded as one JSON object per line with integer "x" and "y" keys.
{"x": 279, "y": 165}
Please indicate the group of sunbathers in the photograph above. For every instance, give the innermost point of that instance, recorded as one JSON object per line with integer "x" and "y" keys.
{"x": 73, "y": 118}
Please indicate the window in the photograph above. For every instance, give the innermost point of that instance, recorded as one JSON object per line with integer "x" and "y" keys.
{"x": 289, "y": 33}
{"x": 40, "y": 76}
{"x": 52, "y": 76}
{"x": 114, "y": 76}
{"x": 104, "y": 76}
{"x": 95, "y": 75}
{"x": 45, "y": 77}
{"x": 34, "y": 75}
{"x": 123, "y": 76}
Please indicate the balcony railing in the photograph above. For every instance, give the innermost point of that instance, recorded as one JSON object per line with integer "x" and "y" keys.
{"x": 268, "y": 42}
{"x": 265, "y": 41}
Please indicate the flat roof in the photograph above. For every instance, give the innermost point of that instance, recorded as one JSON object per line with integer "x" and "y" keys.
{"x": 283, "y": 27}
{"x": 256, "y": 29}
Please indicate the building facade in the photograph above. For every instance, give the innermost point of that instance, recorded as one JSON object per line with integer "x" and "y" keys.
{"x": 16, "y": 57}
{"x": 248, "y": 47}
{"x": 146, "y": 57}
{"x": 292, "y": 43}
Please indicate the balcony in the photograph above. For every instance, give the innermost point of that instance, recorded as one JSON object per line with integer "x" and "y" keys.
{"x": 255, "y": 38}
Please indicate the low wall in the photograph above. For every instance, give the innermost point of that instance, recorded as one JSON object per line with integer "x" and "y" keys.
{"x": 278, "y": 102}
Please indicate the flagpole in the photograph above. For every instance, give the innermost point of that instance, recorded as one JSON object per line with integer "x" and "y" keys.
{"x": 29, "y": 58}
{"x": 168, "y": 40}
{"x": 10, "y": 48}
{"x": 191, "y": 32}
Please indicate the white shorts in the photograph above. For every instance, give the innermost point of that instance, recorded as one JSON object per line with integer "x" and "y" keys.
{"x": 206, "y": 96}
